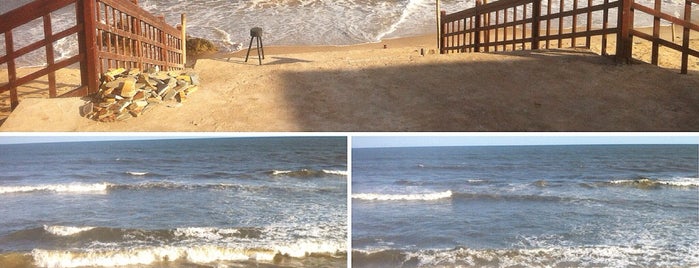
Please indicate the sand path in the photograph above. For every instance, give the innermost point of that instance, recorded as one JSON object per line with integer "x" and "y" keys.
{"x": 368, "y": 88}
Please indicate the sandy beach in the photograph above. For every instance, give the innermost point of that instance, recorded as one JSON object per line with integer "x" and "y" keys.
{"x": 371, "y": 88}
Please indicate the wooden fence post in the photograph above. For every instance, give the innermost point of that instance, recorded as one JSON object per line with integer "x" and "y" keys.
{"x": 442, "y": 35}
{"x": 536, "y": 23}
{"x": 477, "y": 27}
{"x": 685, "y": 36}
{"x": 624, "y": 40}
{"x": 183, "y": 42}
{"x": 656, "y": 34}
{"x": 88, "y": 45}
{"x": 11, "y": 70}
{"x": 48, "y": 35}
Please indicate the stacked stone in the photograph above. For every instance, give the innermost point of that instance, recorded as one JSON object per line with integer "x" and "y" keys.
{"x": 129, "y": 93}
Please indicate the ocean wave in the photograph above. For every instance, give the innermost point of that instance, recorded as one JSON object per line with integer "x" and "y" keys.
{"x": 213, "y": 233}
{"x": 136, "y": 173}
{"x": 649, "y": 183}
{"x": 59, "y": 188}
{"x": 583, "y": 256}
{"x": 59, "y": 230}
{"x": 146, "y": 256}
{"x": 307, "y": 173}
{"x": 105, "y": 187}
{"x": 403, "y": 197}
{"x": 197, "y": 254}
{"x": 411, "y": 7}
{"x": 336, "y": 172}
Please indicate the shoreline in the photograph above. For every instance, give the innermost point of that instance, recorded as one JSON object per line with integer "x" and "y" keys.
{"x": 426, "y": 41}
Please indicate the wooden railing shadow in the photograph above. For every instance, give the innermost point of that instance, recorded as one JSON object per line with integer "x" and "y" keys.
{"x": 527, "y": 90}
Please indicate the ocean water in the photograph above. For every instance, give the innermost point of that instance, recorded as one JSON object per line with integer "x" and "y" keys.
{"x": 526, "y": 206}
{"x": 289, "y": 22}
{"x": 227, "y": 202}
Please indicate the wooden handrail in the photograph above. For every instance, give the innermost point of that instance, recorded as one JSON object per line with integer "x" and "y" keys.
{"x": 456, "y": 36}
{"x": 166, "y": 48}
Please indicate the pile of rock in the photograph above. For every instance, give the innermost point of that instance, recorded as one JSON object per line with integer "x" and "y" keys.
{"x": 129, "y": 93}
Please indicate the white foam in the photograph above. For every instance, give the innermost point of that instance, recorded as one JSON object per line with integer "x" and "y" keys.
{"x": 196, "y": 254}
{"x": 682, "y": 182}
{"x": 59, "y": 188}
{"x": 412, "y": 7}
{"x": 305, "y": 247}
{"x": 146, "y": 255}
{"x": 66, "y": 230}
{"x": 335, "y": 172}
{"x": 611, "y": 256}
{"x": 677, "y": 182}
{"x": 281, "y": 172}
{"x": 406, "y": 197}
{"x": 135, "y": 173}
{"x": 209, "y": 233}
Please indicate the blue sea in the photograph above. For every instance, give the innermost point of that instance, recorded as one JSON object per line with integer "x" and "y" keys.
{"x": 526, "y": 206}
{"x": 224, "y": 202}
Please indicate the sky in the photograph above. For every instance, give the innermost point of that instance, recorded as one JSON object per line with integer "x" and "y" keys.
{"x": 520, "y": 139}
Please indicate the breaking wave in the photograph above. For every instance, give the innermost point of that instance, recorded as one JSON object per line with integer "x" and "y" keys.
{"x": 58, "y": 188}
{"x": 146, "y": 255}
{"x": 403, "y": 197}
{"x": 307, "y": 173}
{"x": 65, "y": 230}
{"x": 648, "y": 183}
{"x": 583, "y": 256}
{"x": 106, "y": 246}
{"x": 104, "y": 188}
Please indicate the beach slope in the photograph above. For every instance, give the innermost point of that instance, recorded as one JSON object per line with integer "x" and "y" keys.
{"x": 369, "y": 88}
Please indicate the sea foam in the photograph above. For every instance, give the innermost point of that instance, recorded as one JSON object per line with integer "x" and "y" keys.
{"x": 647, "y": 182}
{"x": 59, "y": 230}
{"x": 199, "y": 254}
{"x": 59, "y": 188}
{"x": 403, "y": 197}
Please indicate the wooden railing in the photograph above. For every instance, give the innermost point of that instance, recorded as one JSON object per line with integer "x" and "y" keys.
{"x": 111, "y": 33}
{"x": 628, "y": 33}
{"x": 532, "y": 24}
{"x": 130, "y": 37}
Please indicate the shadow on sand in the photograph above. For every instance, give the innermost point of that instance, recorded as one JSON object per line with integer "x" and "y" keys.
{"x": 529, "y": 93}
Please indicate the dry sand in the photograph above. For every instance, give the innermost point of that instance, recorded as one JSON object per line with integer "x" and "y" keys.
{"x": 369, "y": 88}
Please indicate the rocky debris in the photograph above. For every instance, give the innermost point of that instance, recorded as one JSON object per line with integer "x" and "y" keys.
{"x": 125, "y": 93}
{"x": 197, "y": 46}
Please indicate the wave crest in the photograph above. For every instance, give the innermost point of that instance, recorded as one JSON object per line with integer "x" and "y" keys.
{"x": 583, "y": 256}
{"x": 199, "y": 254}
{"x": 648, "y": 183}
{"x": 59, "y": 188}
{"x": 404, "y": 197}
{"x": 307, "y": 173}
{"x": 59, "y": 230}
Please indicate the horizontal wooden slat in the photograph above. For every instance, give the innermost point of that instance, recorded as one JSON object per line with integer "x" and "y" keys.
{"x": 579, "y": 11}
{"x": 29, "y": 12}
{"x": 44, "y": 71}
{"x": 41, "y": 43}
{"x": 666, "y": 17}
{"x": 664, "y": 42}
{"x": 135, "y": 11}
